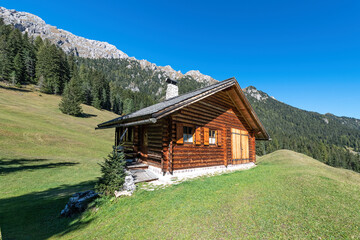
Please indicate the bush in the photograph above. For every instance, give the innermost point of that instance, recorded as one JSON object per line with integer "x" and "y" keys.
{"x": 113, "y": 173}
{"x": 71, "y": 99}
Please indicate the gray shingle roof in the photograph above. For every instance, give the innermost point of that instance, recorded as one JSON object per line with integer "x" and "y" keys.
{"x": 153, "y": 109}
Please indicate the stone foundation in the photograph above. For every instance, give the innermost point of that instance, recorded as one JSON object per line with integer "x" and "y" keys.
{"x": 184, "y": 174}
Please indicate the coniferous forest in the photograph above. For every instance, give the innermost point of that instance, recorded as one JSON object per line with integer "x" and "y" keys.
{"x": 123, "y": 86}
{"x": 118, "y": 85}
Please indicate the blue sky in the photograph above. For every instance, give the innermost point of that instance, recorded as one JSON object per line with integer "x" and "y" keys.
{"x": 304, "y": 53}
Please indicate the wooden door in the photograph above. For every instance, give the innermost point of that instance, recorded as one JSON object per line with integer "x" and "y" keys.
{"x": 244, "y": 146}
{"x": 239, "y": 146}
{"x": 143, "y": 137}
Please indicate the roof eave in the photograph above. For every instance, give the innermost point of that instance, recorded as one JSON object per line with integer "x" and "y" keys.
{"x": 253, "y": 114}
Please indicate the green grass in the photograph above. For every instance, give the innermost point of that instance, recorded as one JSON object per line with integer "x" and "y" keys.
{"x": 44, "y": 157}
{"x": 287, "y": 196}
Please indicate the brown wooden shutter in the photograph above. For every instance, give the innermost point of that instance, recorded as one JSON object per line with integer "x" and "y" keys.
{"x": 206, "y": 136}
{"x": 198, "y": 136}
{"x": 179, "y": 133}
{"x": 244, "y": 145}
{"x": 218, "y": 136}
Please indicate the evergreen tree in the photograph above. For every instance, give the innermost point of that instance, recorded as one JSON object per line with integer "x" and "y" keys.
{"x": 19, "y": 68}
{"x": 113, "y": 173}
{"x": 14, "y": 43}
{"x": 53, "y": 67}
{"x": 128, "y": 106}
{"x": 29, "y": 59}
{"x": 5, "y": 63}
{"x": 71, "y": 99}
{"x": 38, "y": 43}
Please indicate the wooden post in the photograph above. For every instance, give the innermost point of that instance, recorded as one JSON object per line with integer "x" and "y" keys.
{"x": 170, "y": 169}
{"x": 116, "y": 136}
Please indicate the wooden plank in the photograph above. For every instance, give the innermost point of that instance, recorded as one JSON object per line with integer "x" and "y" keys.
{"x": 206, "y": 136}
{"x": 218, "y": 137}
{"x": 179, "y": 133}
{"x": 198, "y": 136}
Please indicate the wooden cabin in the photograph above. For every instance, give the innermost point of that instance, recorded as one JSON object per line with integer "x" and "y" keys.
{"x": 212, "y": 126}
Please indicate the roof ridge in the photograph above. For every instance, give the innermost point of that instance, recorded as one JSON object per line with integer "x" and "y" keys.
{"x": 182, "y": 97}
{"x": 212, "y": 85}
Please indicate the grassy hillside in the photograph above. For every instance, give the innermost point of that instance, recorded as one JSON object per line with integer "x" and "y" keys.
{"x": 45, "y": 156}
{"x": 289, "y": 195}
{"x": 325, "y": 137}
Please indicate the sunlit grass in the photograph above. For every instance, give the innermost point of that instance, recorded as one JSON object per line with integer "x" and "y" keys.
{"x": 288, "y": 195}
{"x": 43, "y": 152}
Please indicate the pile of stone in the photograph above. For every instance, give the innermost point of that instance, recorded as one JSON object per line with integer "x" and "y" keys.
{"x": 129, "y": 186}
{"x": 78, "y": 203}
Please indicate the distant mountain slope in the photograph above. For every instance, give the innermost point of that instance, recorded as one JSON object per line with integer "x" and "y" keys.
{"x": 326, "y": 137}
{"x": 86, "y": 48}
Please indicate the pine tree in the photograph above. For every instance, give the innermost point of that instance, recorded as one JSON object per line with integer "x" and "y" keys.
{"x": 29, "y": 59}
{"x": 71, "y": 99}
{"x": 5, "y": 64}
{"x": 38, "y": 43}
{"x": 19, "y": 69}
{"x": 128, "y": 106}
{"x": 113, "y": 173}
{"x": 14, "y": 42}
{"x": 53, "y": 67}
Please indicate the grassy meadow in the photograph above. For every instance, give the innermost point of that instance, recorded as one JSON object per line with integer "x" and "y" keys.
{"x": 45, "y": 156}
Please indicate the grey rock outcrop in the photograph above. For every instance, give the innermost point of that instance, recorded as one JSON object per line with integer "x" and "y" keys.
{"x": 129, "y": 186}
{"x": 78, "y": 203}
{"x": 70, "y": 43}
{"x": 82, "y": 47}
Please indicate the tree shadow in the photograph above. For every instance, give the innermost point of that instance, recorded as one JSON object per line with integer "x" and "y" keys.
{"x": 6, "y": 165}
{"x": 15, "y": 89}
{"x": 87, "y": 115}
{"x": 19, "y": 161}
{"x": 37, "y": 215}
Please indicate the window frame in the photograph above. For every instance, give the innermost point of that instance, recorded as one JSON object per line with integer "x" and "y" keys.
{"x": 214, "y": 138}
{"x": 129, "y": 135}
{"x": 186, "y": 140}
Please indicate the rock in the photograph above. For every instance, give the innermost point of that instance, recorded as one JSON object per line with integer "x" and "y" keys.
{"x": 122, "y": 193}
{"x": 256, "y": 94}
{"x": 129, "y": 186}
{"x": 78, "y": 203}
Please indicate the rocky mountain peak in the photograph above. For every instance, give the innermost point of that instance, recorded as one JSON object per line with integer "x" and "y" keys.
{"x": 70, "y": 43}
{"x": 251, "y": 91}
{"x": 82, "y": 47}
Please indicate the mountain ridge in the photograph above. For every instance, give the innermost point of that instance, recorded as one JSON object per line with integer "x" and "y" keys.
{"x": 86, "y": 48}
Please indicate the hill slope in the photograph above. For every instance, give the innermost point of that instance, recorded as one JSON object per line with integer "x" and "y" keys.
{"x": 46, "y": 156}
{"x": 287, "y": 196}
{"x": 328, "y": 138}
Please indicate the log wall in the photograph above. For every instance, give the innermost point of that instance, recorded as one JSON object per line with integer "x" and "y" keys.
{"x": 216, "y": 112}
{"x": 161, "y": 149}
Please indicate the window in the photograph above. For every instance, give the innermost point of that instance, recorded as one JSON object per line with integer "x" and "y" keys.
{"x": 212, "y": 137}
{"x": 128, "y": 135}
{"x": 188, "y": 134}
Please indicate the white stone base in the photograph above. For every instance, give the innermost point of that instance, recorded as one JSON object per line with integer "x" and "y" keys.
{"x": 181, "y": 175}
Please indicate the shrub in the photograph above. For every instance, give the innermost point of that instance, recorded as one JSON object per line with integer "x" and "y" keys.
{"x": 71, "y": 99}
{"x": 113, "y": 173}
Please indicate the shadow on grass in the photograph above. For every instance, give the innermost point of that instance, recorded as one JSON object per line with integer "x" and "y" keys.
{"x": 15, "y": 89}
{"x": 19, "y": 161}
{"x": 87, "y": 115}
{"x": 37, "y": 215}
{"x": 27, "y": 164}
